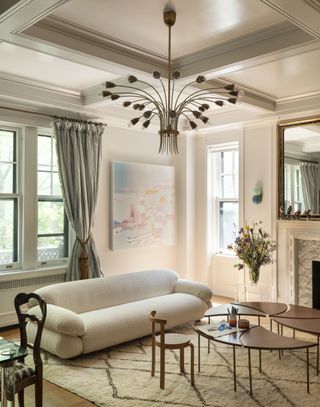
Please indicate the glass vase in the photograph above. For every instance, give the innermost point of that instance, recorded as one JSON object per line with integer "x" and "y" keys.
{"x": 254, "y": 275}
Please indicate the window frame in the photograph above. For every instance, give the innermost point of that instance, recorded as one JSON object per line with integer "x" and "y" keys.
{"x": 216, "y": 198}
{"x": 52, "y": 198}
{"x": 16, "y": 196}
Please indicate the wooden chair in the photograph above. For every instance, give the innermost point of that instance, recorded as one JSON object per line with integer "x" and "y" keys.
{"x": 168, "y": 341}
{"x": 25, "y": 375}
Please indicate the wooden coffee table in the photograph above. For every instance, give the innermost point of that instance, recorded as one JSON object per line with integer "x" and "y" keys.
{"x": 302, "y": 319}
{"x": 256, "y": 337}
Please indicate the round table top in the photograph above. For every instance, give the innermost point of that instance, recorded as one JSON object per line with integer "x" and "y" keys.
{"x": 299, "y": 311}
{"x": 267, "y": 308}
{"x": 227, "y": 337}
{"x": 222, "y": 310}
{"x": 261, "y": 338}
{"x": 307, "y": 325}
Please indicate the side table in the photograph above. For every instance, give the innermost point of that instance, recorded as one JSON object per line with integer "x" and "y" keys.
{"x": 9, "y": 353}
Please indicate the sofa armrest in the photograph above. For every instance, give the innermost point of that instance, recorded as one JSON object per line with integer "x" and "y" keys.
{"x": 61, "y": 320}
{"x": 199, "y": 290}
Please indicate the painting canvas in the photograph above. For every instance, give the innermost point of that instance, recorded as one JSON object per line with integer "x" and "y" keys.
{"x": 143, "y": 205}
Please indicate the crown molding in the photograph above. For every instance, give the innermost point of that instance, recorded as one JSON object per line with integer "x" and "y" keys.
{"x": 303, "y": 13}
{"x": 4, "y": 15}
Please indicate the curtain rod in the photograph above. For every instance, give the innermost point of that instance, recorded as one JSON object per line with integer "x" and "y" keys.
{"x": 304, "y": 161}
{"x": 13, "y": 109}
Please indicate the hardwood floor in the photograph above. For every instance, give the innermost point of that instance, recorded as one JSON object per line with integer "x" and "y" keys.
{"x": 55, "y": 396}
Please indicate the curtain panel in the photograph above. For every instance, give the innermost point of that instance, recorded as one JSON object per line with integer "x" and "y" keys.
{"x": 79, "y": 156}
{"x": 310, "y": 181}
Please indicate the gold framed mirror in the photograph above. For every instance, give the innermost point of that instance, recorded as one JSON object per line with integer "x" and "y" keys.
{"x": 299, "y": 169}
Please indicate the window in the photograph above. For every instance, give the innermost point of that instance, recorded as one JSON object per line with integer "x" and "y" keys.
{"x": 33, "y": 223}
{"x": 224, "y": 203}
{"x": 9, "y": 197}
{"x": 52, "y": 220}
{"x": 293, "y": 192}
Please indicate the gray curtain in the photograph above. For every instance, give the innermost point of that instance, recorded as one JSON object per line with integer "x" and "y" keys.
{"x": 79, "y": 156}
{"x": 310, "y": 186}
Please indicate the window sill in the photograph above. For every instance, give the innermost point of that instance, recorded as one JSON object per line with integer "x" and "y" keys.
{"x": 223, "y": 254}
{"x": 22, "y": 274}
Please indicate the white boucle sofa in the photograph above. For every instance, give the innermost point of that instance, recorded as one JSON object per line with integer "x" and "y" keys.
{"x": 88, "y": 315}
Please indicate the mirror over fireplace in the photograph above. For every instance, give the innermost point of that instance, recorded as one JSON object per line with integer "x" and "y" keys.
{"x": 299, "y": 169}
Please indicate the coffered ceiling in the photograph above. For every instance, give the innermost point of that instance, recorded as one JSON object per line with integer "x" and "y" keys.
{"x": 55, "y": 54}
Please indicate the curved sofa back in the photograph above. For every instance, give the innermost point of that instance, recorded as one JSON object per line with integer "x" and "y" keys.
{"x": 87, "y": 295}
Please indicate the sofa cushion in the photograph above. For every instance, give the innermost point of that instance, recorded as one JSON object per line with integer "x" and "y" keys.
{"x": 61, "y": 320}
{"x": 64, "y": 346}
{"x": 97, "y": 293}
{"x": 194, "y": 288}
{"x": 121, "y": 323}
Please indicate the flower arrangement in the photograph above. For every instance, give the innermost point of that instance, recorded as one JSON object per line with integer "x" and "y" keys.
{"x": 254, "y": 247}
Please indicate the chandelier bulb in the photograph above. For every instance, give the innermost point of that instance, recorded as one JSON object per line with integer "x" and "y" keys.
{"x": 133, "y": 121}
{"x": 204, "y": 119}
{"x": 232, "y": 100}
{"x": 147, "y": 114}
{"x": 231, "y": 87}
{"x": 156, "y": 75}
{"x": 109, "y": 85}
{"x": 127, "y": 103}
{"x": 141, "y": 107}
{"x": 145, "y": 124}
{"x": 136, "y": 106}
{"x": 200, "y": 79}
{"x": 132, "y": 78}
{"x": 219, "y": 103}
{"x": 196, "y": 114}
{"x": 106, "y": 93}
{"x": 176, "y": 75}
{"x": 114, "y": 96}
{"x": 206, "y": 106}
{"x": 193, "y": 125}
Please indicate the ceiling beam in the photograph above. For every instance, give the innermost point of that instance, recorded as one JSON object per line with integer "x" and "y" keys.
{"x": 305, "y": 14}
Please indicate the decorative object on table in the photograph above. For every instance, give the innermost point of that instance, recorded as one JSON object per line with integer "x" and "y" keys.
{"x": 167, "y": 106}
{"x": 243, "y": 323}
{"x": 143, "y": 205}
{"x": 254, "y": 247}
{"x": 232, "y": 317}
{"x": 297, "y": 214}
{"x": 257, "y": 194}
{"x": 289, "y": 211}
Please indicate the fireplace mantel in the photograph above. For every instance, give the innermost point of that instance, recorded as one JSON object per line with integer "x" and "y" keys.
{"x": 288, "y": 232}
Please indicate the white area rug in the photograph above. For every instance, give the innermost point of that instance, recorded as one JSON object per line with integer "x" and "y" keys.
{"x": 120, "y": 377}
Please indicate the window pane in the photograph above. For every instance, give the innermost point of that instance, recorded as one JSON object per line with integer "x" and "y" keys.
{"x": 6, "y": 178}
{"x": 50, "y": 248}
{"x": 44, "y": 151}
{"x": 44, "y": 182}
{"x": 6, "y": 145}
{"x": 229, "y": 223}
{"x": 227, "y": 162}
{"x": 56, "y": 188}
{"x": 6, "y": 231}
{"x": 227, "y": 187}
{"x": 50, "y": 217}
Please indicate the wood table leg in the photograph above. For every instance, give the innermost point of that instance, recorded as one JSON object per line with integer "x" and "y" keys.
{"x": 234, "y": 369}
{"x": 208, "y": 345}
{"x": 249, "y": 366}
{"x": 259, "y": 321}
{"x": 198, "y": 352}
{"x": 293, "y": 333}
{"x": 270, "y": 325}
{"x": 192, "y": 363}
{"x": 278, "y": 331}
{"x": 308, "y": 390}
{"x": 260, "y": 361}
{"x": 182, "y": 360}
{"x": 318, "y": 355}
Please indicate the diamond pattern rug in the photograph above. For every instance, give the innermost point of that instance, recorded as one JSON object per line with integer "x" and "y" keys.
{"x": 120, "y": 377}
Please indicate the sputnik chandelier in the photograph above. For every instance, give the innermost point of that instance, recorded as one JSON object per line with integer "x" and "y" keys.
{"x": 170, "y": 106}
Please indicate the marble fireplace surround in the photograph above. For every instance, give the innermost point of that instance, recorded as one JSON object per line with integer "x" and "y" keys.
{"x": 298, "y": 246}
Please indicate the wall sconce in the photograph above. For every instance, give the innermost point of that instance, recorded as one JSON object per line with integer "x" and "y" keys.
{"x": 257, "y": 194}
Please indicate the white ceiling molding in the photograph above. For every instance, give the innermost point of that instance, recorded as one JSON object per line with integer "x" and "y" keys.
{"x": 303, "y": 13}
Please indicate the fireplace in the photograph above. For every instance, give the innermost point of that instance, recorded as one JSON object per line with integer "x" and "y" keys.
{"x": 316, "y": 284}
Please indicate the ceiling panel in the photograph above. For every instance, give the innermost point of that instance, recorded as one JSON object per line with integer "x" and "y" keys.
{"x": 41, "y": 67}
{"x": 286, "y": 77}
{"x": 200, "y": 24}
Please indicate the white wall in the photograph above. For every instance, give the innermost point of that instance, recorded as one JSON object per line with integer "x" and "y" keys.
{"x": 120, "y": 144}
{"x": 257, "y": 146}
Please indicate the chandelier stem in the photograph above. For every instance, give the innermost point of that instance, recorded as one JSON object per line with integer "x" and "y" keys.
{"x": 169, "y": 75}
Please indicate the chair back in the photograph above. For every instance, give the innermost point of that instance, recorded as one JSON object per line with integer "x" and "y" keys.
{"x": 160, "y": 321}
{"x": 23, "y": 317}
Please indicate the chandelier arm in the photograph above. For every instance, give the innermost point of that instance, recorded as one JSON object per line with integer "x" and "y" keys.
{"x": 158, "y": 105}
{"x": 179, "y": 94}
{"x": 141, "y": 90}
{"x": 196, "y": 98}
{"x": 201, "y": 91}
{"x": 164, "y": 92}
{"x": 152, "y": 87}
{"x": 188, "y": 109}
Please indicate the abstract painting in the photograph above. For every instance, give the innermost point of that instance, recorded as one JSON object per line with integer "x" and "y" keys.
{"x": 143, "y": 205}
